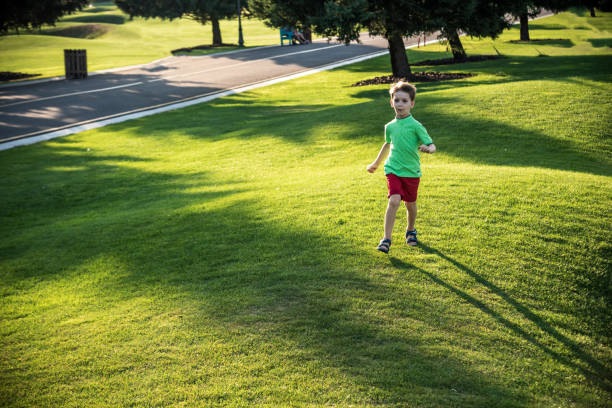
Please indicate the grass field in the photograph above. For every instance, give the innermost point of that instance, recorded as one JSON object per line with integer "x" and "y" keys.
{"x": 112, "y": 40}
{"x": 224, "y": 254}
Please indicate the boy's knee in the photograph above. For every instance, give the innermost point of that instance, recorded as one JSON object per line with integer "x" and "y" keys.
{"x": 395, "y": 200}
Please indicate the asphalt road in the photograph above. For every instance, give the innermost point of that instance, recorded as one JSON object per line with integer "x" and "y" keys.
{"x": 34, "y": 109}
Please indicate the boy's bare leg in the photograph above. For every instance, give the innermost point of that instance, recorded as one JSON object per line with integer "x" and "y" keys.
{"x": 411, "y": 213}
{"x": 394, "y": 202}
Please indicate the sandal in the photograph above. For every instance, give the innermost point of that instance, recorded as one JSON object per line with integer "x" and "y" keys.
{"x": 384, "y": 245}
{"x": 411, "y": 238}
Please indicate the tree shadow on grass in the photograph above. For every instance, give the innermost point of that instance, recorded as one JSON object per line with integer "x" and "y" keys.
{"x": 553, "y": 42}
{"x": 542, "y": 26}
{"x": 242, "y": 116}
{"x": 601, "y": 42}
{"x": 591, "y": 67}
{"x": 495, "y": 143}
{"x": 102, "y": 18}
{"x": 594, "y": 370}
{"x": 75, "y": 184}
{"x": 486, "y": 141}
{"x": 250, "y": 279}
{"x": 89, "y": 31}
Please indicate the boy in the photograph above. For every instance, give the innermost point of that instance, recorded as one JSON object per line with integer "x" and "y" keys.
{"x": 404, "y": 137}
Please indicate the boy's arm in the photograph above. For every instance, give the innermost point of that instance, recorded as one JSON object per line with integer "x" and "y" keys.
{"x": 384, "y": 150}
{"x": 430, "y": 148}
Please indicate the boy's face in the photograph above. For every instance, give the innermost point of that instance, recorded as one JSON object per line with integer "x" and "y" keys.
{"x": 402, "y": 104}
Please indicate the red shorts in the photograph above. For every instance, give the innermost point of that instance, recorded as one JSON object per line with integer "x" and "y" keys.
{"x": 406, "y": 187}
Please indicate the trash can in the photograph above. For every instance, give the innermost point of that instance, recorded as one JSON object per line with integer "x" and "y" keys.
{"x": 75, "y": 62}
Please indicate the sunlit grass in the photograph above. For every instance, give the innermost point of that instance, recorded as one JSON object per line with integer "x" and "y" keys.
{"x": 224, "y": 254}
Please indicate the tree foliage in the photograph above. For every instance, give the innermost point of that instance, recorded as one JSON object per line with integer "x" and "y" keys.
{"x": 35, "y": 13}
{"x": 167, "y": 9}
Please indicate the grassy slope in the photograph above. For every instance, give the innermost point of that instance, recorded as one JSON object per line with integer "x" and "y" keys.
{"x": 223, "y": 254}
{"x": 116, "y": 41}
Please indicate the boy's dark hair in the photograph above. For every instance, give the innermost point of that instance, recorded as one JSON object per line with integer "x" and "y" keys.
{"x": 405, "y": 87}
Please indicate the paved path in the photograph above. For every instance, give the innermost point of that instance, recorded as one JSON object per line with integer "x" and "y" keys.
{"x": 34, "y": 109}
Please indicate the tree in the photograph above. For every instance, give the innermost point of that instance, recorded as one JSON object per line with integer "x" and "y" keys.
{"x": 478, "y": 18}
{"x": 202, "y": 11}
{"x": 35, "y": 13}
{"x": 526, "y": 9}
{"x": 213, "y": 10}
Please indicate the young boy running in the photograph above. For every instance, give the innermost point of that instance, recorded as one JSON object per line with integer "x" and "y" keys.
{"x": 404, "y": 137}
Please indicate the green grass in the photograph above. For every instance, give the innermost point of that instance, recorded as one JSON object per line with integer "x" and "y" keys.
{"x": 112, "y": 40}
{"x": 223, "y": 254}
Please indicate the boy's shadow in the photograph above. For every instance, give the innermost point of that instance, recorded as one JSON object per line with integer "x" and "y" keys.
{"x": 591, "y": 368}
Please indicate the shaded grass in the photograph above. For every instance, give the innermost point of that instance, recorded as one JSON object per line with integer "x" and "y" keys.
{"x": 542, "y": 41}
{"x": 88, "y": 31}
{"x": 104, "y": 18}
{"x": 223, "y": 254}
{"x": 601, "y": 42}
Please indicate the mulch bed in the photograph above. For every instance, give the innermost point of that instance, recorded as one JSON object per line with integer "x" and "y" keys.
{"x": 202, "y": 47}
{"x": 416, "y": 77}
{"x": 11, "y": 76}
{"x": 431, "y": 76}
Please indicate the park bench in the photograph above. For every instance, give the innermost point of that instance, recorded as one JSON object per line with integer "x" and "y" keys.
{"x": 286, "y": 34}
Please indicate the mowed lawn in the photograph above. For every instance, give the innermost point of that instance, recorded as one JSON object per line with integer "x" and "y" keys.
{"x": 113, "y": 40}
{"x": 224, "y": 254}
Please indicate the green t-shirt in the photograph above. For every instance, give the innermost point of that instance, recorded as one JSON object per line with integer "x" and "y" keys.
{"x": 405, "y": 136}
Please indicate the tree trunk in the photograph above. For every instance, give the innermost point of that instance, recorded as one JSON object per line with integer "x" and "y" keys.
{"x": 524, "y": 27}
{"x": 593, "y": 12}
{"x": 399, "y": 60}
{"x": 216, "y": 29}
{"x": 456, "y": 47}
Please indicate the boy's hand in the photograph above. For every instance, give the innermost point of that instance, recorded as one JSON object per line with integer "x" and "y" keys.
{"x": 428, "y": 148}
{"x": 372, "y": 167}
